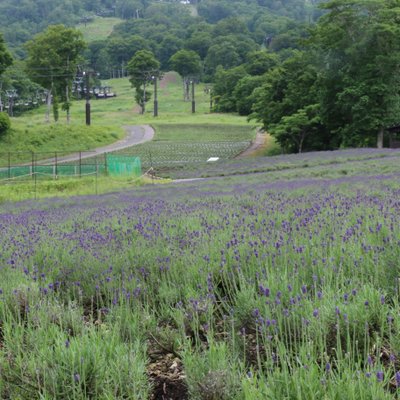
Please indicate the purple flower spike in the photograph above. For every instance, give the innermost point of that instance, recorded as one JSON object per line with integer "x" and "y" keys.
{"x": 397, "y": 377}
{"x": 328, "y": 367}
{"x": 77, "y": 377}
{"x": 379, "y": 376}
{"x": 315, "y": 313}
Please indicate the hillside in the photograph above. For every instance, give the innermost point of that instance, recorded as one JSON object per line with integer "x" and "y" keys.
{"x": 20, "y": 20}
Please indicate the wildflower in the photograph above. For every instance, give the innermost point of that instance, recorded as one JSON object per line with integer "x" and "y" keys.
{"x": 379, "y": 376}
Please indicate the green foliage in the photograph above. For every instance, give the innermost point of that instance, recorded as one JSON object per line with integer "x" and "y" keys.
{"x": 243, "y": 92}
{"x": 360, "y": 55}
{"x": 224, "y": 87}
{"x": 142, "y": 68}
{"x": 260, "y": 62}
{"x": 5, "y": 56}
{"x": 186, "y": 63}
{"x": 53, "y": 57}
{"x": 297, "y": 127}
{"x": 5, "y": 123}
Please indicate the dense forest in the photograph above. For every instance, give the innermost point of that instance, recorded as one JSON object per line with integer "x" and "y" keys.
{"x": 316, "y": 76}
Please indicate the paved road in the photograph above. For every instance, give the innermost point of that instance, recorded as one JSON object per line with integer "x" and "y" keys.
{"x": 135, "y": 134}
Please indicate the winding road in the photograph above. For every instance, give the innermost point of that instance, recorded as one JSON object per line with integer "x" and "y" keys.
{"x": 135, "y": 134}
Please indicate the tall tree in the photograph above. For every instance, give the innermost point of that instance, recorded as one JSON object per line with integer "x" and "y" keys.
{"x": 53, "y": 57}
{"x": 187, "y": 64}
{"x": 287, "y": 105}
{"x": 143, "y": 68}
{"x": 5, "y": 61}
{"x": 5, "y": 56}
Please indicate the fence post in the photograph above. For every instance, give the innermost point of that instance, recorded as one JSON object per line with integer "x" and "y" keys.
{"x": 9, "y": 165}
{"x": 56, "y": 169}
{"x": 33, "y": 165}
{"x": 97, "y": 171}
{"x": 105, "y": 164}
{"x": 80, "y": 164}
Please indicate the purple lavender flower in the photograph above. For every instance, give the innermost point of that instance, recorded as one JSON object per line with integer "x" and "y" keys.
{"x": 397, "y": 377}
{"x": 379, "y": 376}
{"x": 328, "y": 367}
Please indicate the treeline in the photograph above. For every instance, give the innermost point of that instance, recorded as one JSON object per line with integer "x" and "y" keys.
{"x": 171, "y": 28}
{"x": 340, "y": 88}
{"x": 21, "y": 19}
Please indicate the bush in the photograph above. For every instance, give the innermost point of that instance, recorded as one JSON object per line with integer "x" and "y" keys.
{"x": 5, "y": 123}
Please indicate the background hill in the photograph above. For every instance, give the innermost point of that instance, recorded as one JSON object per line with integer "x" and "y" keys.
{"x": 21, "y": 19}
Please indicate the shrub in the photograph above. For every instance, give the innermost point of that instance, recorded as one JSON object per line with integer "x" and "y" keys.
{"x": 5, "y": 123}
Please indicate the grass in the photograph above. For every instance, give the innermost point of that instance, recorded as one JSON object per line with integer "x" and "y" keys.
{"x": 209, "y": 134}
{"x": 99, "y": 28}
{"x": 26, "y": 137}
{"x": 23, "y": 189}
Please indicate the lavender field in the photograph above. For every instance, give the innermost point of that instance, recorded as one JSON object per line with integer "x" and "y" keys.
{"x": 281, "y": 284}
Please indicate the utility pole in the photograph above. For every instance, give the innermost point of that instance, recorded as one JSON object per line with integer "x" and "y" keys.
{"x": 1, "y": 103}
{"x": 155, "y": 112}
{"x": 87, "y": 109}
{"x": 193, "y": 100}
{"x": 11, "y": 94}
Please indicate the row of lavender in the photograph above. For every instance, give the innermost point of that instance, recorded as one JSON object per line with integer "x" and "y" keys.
{"x": 259, "y": 291}
{"x": 334, "y": 159}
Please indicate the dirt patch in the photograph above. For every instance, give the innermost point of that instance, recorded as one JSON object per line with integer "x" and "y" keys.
{"x": 257, "y": 147}
{"x": 165, "y": 372}
{"x": 169, "y": 77}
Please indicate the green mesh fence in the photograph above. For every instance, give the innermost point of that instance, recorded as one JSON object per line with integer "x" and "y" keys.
{"x": 51, "y": 171}
{"x": 123, "y": 165}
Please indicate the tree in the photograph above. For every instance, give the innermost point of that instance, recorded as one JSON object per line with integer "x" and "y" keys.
{"x": 243, "y": 93}
{"x": 293, "y": 130}
{"x": 224, "y": 86}
{"x": 360, "y": 68}
{"x": 287, "y": 105}
{"x": 187, "y": 64}
{"x": 5, "y": 56}
{"x": 259, "y": 62}
{"x": 142, "y": 68}
{"x": 53, "y": 57}
{"x": 5, "y": 123}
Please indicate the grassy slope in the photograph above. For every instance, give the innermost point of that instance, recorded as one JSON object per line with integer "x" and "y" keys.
{"x": 31, "y": 133}
{"x": 98, "y": 29}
